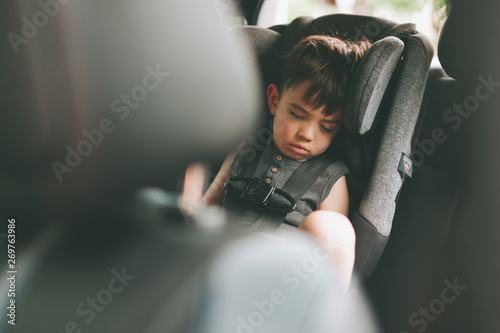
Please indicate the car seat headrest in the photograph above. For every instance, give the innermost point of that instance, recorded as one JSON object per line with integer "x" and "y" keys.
{"x": 115, "y": 98}
{"x": 369, "y": 82}
{"x": 467, "y": 46}
{"x": 265, "y": 45}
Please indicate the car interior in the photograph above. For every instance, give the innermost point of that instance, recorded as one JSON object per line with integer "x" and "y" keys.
{"x": 106, "y": 105}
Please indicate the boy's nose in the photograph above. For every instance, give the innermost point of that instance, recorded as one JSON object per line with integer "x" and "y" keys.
{"x": 306, "y": 133}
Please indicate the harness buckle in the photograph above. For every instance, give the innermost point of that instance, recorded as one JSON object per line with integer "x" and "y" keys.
{"x": 260, "y": 194}
{"x": 257, "y": 191}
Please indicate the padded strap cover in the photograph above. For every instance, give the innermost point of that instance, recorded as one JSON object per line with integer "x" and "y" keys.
{"x": 298, "y": 184}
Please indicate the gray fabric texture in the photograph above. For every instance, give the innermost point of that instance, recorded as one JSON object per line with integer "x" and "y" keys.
{"x": 379, "y": 201}
{"x": 297, "y": 30}
{"x": 369, "y": 84}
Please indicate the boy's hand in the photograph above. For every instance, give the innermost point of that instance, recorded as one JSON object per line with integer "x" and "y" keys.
{"x": 192, "y": 192}
{"x": 215, "y": 193}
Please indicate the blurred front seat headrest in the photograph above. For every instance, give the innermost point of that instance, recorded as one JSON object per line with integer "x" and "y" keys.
{"x": 104, "y": 97}
{"x": 468, "y": 45}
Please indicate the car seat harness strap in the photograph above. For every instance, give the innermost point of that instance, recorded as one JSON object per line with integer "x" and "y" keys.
{"x": 260, "y": 194}
{"x": 275, "y": 203}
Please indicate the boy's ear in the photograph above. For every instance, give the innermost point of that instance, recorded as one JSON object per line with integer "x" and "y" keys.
{"x": 273, "y": 97}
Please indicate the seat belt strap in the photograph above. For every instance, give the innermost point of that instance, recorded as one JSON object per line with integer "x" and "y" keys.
{"x": 305, "y": 175}
{"x": 247, "y": 165}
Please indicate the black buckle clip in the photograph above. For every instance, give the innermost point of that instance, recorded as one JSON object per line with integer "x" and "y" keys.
{"x": 257, "y": 191}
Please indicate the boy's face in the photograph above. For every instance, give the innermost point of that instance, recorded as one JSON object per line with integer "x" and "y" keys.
{"x": 299, "y": 131}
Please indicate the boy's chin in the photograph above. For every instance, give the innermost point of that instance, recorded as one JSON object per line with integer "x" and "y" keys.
{"x": 294, "y": 154}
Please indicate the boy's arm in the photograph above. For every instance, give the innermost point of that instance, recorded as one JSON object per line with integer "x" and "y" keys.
{"x": 215, "y": 193}
{"x": 192, "y": 191}
{"x": 338, "y": 199}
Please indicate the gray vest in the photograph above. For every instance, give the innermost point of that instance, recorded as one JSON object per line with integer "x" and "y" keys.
{"x": 276, "y": 169}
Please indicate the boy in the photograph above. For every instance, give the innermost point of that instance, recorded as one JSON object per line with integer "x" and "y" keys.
{"x": 308, "y": 109}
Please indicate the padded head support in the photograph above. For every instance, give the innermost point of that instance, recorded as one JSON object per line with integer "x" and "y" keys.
{"x": 468, "y": 45}
{"x": 119, "y": 103}
{"x": 372, "y": 74}
{"x": 369, "y": 83}
{"x": 265, "y": 45}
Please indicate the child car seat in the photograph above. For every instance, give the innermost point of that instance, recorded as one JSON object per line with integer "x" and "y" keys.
{"x": 383, "y": 105}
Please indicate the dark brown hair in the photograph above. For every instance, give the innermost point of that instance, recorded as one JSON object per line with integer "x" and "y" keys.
{"x": 327, "y": 64}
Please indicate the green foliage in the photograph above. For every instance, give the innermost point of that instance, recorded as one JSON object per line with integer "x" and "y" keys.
{"x": 443, "y": 5}
{"x": 399, "y": 5}
{"x": 298, "y": 8}
{"x": 411, "y": 5}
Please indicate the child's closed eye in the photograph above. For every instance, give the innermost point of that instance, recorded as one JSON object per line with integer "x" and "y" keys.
{"x": 296, "y": 116}
{"x": 327, "y": 129}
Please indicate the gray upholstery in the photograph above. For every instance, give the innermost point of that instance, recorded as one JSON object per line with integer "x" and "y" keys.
{"x": 60, "y": 84}
{"x": 379, "y": 202}
{"x": 369, "y": 83}
{"x": 266, "y": 49}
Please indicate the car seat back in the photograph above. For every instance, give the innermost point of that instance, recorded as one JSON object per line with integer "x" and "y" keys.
{"x": 116, "y": 83}
{"x": 74, "y": 101}
{"x": 383, "y": 105}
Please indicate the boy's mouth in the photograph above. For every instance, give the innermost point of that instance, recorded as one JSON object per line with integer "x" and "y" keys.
{"x": 299, "y": 149}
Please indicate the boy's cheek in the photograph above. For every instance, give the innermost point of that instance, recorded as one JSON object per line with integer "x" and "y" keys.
{"x": 326, "y": 143}
{"x": 333, "y": 135}
{"x": 279, "y": 125}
